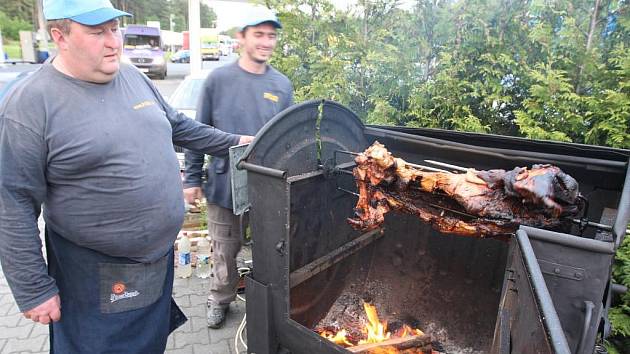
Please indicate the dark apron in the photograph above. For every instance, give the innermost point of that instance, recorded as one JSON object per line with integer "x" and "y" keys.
{"x": 110, "y": 304}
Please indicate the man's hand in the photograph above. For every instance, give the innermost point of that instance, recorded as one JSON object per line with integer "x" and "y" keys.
{"x": 49, "y": 311}
{"x": 192, "y": 195}
{"x": 245, "y": 139}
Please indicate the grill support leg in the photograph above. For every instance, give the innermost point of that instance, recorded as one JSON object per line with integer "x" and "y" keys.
{"x": 261, "y": 336}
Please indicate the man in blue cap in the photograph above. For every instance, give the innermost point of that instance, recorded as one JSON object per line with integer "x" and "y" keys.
{"x": 92, "y": 140}
{"x": 237, "y": 98}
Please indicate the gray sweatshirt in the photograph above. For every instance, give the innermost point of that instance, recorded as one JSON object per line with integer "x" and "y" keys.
{"x": 100, "y": 158}
{"x": 235, "y": 101}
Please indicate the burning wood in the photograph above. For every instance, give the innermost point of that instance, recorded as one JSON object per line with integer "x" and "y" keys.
{"x": 411, "y": 344}
{"x": 377, "y": 338}
{"x": 475, "y": 203}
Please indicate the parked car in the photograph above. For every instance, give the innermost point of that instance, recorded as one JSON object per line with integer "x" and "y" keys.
{"x": 186, "y": 95}
{"x": 226, "y": 49}
{"x": 9, "y": 79}
{"x": 210, "y": 51}
{"x": 181, "y": 56}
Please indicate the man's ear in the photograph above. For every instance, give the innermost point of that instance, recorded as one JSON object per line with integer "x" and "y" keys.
{"x": 240, "y": 36}
{"x": 59, "y": 38}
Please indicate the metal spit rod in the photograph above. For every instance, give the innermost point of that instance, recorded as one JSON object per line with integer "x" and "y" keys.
{"x": 349, "y": 192}
{"x": 422, "y": 167}
{"x": 448, "y": 165}
{"x": 430, "y": 204}
{"x": 603, "y": 227}
{"x": 592, "y": 224}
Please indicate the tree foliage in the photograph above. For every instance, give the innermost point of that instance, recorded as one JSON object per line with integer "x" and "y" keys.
{"x": 22, "y": 10}
{"x": 231, "y": 32}
{"x": 164, "y": 11}
{"x": 16, "y": 16}
{"x": 21, "y": 14}
{"x": 620, "y": 315}
{"x": 11, "y": 27}
{"x": 539, "y": 69}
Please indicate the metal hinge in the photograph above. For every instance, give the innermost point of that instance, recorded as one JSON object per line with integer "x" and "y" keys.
{"x": 561, "y": 270}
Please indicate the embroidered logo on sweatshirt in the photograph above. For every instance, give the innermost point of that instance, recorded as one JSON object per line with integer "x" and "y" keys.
{"x": 270, "y": 97}
{"x": 143, "y": 104}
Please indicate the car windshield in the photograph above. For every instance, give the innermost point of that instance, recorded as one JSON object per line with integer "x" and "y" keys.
{"x": 133, "y": 41}
{"x": 187, "y": 94}
{"x": 8, "y": 79}
{"x": 208, "y": 45}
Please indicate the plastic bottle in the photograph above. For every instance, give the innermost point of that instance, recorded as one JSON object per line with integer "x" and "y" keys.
{"x": 184, "y": 266}
{"x": 203, "y": 258}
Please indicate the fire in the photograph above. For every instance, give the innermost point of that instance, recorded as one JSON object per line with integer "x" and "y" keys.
{"x": 375, "y": 331}
{"x": 337, "y": 338}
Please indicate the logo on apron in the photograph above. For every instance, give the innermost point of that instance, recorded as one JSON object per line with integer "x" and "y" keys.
{"x": 131, "y": 286}
{"x": 118, "y": 288}
{"x": 119, "y": 292}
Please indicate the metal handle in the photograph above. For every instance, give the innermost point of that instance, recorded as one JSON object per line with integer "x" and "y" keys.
{"x": 588, "y": 315}
{"x": 267, "y": 171}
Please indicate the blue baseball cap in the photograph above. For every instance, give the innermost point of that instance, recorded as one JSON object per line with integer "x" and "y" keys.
{"x": 87, "y": 12}
{"x": 258, "y": 16}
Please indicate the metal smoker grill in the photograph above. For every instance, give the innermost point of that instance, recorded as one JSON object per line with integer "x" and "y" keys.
{"x": 541, "y": 291}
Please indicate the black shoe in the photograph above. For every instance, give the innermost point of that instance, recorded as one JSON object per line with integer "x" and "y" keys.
{"x": 216, "y": 315}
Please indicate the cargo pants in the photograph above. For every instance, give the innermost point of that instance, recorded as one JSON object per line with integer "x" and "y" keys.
{"x": 225, "y": 231}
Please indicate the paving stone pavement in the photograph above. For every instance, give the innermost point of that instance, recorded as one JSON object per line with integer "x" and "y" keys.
{"x": 194, "y": 337}
{"x": 21, "y": 336}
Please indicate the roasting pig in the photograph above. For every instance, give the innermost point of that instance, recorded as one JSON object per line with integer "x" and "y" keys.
{"x": 475, "y": 203}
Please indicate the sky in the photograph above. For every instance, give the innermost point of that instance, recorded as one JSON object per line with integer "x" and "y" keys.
{"x": 231, "y": 13}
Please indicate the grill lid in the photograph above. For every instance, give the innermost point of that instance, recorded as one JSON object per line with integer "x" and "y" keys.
{"x": 305, "y": 136}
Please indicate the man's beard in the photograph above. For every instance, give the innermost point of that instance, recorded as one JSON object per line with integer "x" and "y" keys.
{"x": 260, "y": 61}
{"x": 256, "y": 59}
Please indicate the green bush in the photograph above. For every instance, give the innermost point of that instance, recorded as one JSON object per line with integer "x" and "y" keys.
{"x": 472, "y": 65}
{"x": 620, "y": 315}
{"x": 11, "y": 27}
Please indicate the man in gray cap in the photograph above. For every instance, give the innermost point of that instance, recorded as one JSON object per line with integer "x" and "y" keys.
{"x": 92, "y": 140}
{"x": 237, "y": 98}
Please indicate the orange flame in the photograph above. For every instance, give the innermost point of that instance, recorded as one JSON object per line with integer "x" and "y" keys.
{"x": 339, "y": 338}
{"x": 374, "y": 331}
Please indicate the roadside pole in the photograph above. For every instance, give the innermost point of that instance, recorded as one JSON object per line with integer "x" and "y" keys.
{"x": 1, "y": 51}
{"x": 194, "y": 23}
{"x": 170, "y": 24}
{"x": 43, "y": 34}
